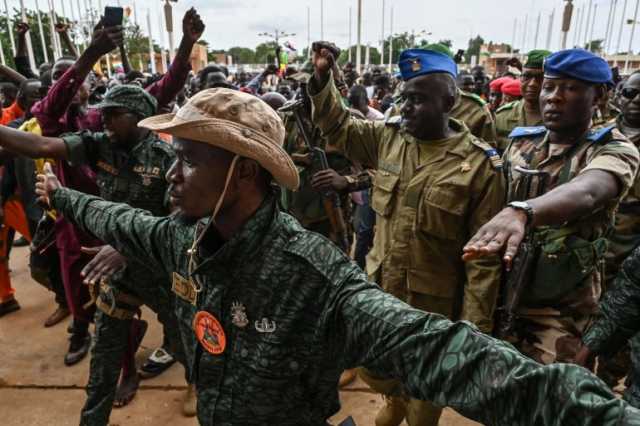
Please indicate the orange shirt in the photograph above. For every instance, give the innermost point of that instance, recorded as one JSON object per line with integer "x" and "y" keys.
{"x": 11, "y": 113}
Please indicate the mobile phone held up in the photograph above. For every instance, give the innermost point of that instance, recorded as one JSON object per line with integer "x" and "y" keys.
{"x": 112, "y": 16}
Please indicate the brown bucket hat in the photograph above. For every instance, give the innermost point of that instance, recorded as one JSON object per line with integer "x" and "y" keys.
{"x": 234, "y": 121}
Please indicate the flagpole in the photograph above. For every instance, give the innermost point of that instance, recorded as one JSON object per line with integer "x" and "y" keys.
{"x": 9, "y": 29}
{"x": 32, "y": 60}
{"x": 152, "y": 56}
{"x": 44, "y": 45}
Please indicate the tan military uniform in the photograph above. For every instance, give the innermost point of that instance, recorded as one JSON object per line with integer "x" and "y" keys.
{"x": 508, "y": 117}
{"x": 430, "y": 197}
{"x": 473, "y": 111}
{"x": 551, "y": 332}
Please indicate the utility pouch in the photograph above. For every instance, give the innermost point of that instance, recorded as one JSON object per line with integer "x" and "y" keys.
{"x": 564, "y": 261}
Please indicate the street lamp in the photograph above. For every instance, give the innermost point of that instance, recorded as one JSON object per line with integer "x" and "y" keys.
{"x": 276, "y": 35}
{"x": 415, "y": 35}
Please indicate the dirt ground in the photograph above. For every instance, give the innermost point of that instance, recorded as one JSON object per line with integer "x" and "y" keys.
{"x": 37, "y": 389}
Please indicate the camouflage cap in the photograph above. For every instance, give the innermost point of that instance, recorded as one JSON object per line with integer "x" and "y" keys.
{"x": 134, "y": 98}
{"x": 535, "y": 58}
{"x": 440, "y": 48}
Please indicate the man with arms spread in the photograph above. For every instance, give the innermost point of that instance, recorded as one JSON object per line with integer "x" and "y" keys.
{"x": 526, "y": 111}
{"x": 434, "y": 186}
{"x": 570, "y": 207}
{"x": 271, "y": 313}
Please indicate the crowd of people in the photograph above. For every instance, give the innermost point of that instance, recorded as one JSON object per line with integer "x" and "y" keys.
{"x": 453, "y": 238}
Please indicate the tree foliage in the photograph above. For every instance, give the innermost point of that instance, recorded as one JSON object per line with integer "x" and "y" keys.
{"x": 473, "y": 49}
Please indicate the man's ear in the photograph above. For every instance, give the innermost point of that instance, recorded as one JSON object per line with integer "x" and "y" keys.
{"x": 600, "y": 92}
{"x": 248, "y": 170}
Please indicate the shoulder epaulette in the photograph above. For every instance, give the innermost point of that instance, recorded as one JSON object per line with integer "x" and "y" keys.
{"x": 507, "y": 107}
{"x": 519, "y": 132}
{"x": 394, "y": 120}
{"x": 473, "y": 96}
{"x": 490, "y": 152}
{"x": 599, "y": 134}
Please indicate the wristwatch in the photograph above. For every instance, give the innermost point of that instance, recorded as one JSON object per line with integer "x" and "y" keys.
{"x": 523, "y": 206}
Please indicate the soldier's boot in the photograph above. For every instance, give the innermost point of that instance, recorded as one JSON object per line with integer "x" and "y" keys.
{"x": 393, "y": 412}
{"x": 422, "y": 413}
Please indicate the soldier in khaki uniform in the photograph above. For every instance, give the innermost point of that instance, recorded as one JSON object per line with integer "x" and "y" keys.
{"x": 526, "y": 111}
{"x": 435, "y": 184}
{"x": 589, "y": 172}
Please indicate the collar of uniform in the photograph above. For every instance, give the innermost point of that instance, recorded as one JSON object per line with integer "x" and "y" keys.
{"x": 245, "y": 241}
{"x": 142, "y": 142}
{"x": 459, "y": 127}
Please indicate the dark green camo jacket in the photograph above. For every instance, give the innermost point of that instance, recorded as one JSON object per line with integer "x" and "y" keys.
{"x": 311, "y": 313}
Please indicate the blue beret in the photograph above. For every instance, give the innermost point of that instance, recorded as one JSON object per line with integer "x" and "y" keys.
{"x": 415, "y": 62}
{"x": 578, "y": 64}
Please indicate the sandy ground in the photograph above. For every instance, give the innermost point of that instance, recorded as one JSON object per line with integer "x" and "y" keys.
{"x": 37, "y": 389}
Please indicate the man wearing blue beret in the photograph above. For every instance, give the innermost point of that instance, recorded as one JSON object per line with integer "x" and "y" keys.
{"x": 564, "y": 204}
{"x": 435, "y": 185}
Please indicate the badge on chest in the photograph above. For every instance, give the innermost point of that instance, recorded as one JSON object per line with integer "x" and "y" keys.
{"x": 184, "y": 288}
{"x": 209, "y": 333}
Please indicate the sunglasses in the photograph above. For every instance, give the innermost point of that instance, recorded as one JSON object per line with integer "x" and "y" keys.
{"x": 630, "y": 93}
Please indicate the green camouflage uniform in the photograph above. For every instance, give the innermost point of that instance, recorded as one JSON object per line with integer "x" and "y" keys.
{"x": 622, "y": 242}
{"x": 429, "y": 197}
{"x": 136, "y": 177}
{"x": 296, "y": 312}
{"x": 508, "y": 117}
{"x": 558, "y": 304}
{"x": 619, "y": 321}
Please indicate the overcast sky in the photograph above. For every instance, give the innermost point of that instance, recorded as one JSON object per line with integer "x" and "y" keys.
{"x": 238, "y": 22}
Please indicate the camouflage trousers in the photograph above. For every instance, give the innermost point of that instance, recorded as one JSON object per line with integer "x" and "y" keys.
{"x": 417, "y": 412}
{"x": 112, "y": 339}
{"x": 548, "y": 338}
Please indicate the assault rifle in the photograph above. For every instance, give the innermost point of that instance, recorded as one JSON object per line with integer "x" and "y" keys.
{"x": 521, "y": 273}
{"x": 330, "y": 198}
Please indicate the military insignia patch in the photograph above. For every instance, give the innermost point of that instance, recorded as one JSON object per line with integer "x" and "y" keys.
{"x": 416, "y": 65}
{"x": 184, "y": 288}
{"x": 265, "y": 326}
{"x": 239, "y": 315}
{"x": 209, "y": 333}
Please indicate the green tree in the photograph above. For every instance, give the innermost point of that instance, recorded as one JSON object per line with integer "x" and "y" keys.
{"x": 242, "y": 55}
{"x": 594, "y": 45}
{"x": 473, "y": 49}
{"x": 446, "y": 42}
{"x": 374, "y": 55}
{"x": 266, "y": 53}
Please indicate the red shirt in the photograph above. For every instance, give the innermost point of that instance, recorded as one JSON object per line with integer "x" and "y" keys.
{"x": 11, "y": 113}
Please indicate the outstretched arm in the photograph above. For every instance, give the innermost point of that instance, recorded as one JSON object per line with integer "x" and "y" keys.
{"x": 607, "y": 178}
{"x": 49, "y": 110}
{"x": 132, "y": 232}
{"x": 31, "y": 145}
{"x": 21, "y": 60}
{"x": 167, "y": 88}
{"x": 63, "y": 30}
{"x": 357, "y": 139}
{"x": 453, "y": 364}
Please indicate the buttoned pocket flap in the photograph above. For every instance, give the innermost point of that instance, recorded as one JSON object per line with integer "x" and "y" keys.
{"x": 384, "y": 187}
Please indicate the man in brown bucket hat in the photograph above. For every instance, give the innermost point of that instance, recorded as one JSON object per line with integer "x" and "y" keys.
{"x": 271, "y": 314}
